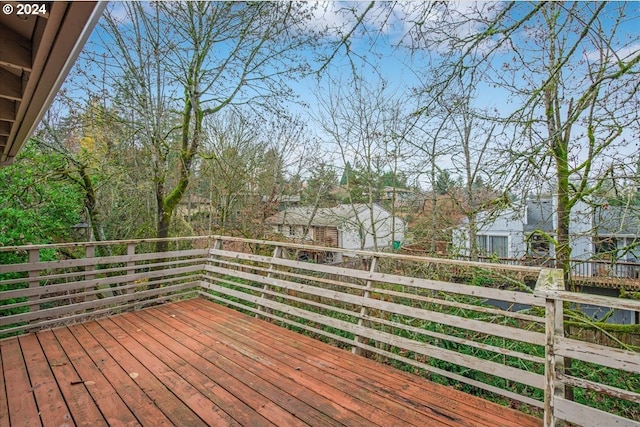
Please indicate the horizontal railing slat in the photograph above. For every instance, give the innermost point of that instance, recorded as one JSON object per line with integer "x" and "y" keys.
{"x": 585, "y": 416}
{"x": 84, "y": 262}
{"x": 382, "y": 291}
{"x": 436, "y": 285}
{"x": 105, "y": 281}
{"x": 58, "y": 311}
{"x": 599, "y": 354}
{"x": 451, "y": 320}
{"x": 600, "y": 388}
{"x": 106, "y": 271}
{"x": 590, "y": 299}
{"x": 94, "y": 292}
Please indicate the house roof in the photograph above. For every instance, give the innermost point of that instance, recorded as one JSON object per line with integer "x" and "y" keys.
{"x": 324, "y": 217}
{"x": 37, "y": 50}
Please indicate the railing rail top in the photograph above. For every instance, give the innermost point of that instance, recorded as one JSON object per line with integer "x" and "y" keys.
{"x": 370, "y": 254}
{"x": 102, "y": 243}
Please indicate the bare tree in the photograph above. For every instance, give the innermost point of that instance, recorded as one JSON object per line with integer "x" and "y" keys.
{"x": 363, "y": 125}
{"x": 570, "y": 75}
{"x": 174, "y": 64}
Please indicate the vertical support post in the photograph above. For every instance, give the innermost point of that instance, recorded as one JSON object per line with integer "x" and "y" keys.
{"x": 34, "y": 257}
{"x": 554, "y": 364}
{"x": 277, "y": 253}
{"x": 217, "y": 244}
{"x": 89, "y": 252}
{"x": 131, "y": 251}
{"x": 548, "y": 282}
{"x": 363, "y": 310}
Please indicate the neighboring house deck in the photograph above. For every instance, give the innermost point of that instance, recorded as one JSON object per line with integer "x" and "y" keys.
{"x": 251, "y": 336}
{"x": 605, "y": 240}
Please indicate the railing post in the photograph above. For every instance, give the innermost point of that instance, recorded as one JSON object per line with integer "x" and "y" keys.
{"x": 34, "y": 257}
{"x": 363, "y": 310}
{"x": 89, "y": 252}
{"x": 277, "y": 253}
{"x": 131, "y": 251}
{"x": 549, "y": 281}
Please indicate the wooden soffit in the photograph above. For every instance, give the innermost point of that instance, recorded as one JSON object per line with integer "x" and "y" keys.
{"x": 39, "y": 43}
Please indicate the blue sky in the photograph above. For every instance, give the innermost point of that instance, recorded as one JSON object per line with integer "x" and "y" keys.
{"x": 397, "y": 66}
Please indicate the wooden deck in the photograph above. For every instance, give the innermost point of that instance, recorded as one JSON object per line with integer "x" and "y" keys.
{"x": 196, "y": 363}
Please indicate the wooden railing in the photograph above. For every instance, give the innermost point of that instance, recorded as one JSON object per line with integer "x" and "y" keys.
{"x": 41, "y": 290}
{"x": 476, "y": 326}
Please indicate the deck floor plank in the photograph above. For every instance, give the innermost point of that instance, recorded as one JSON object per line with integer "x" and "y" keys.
{"x": 20, "y": 398}
{"x": 52, "y": 407}
{"x": 109, "y": 356}
{"x": 203, "y": 374}
{"x": 293, "y": 377}
{"x": 321, "y": 412}
{"x": 285, "y": 358}
{"x": 111, "y": 405}
{"x": 394, "y": 384}
{"x": 197, "y": 399}
{"x": 82, "y": 407}
{"x": 199, "y": 363}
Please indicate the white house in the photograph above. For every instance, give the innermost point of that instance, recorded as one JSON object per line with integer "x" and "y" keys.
{"x": 596, "y": 231}
{"x": 343, "y": 226}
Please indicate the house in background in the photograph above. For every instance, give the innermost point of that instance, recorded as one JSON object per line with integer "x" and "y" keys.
{"x": 358, "y": 226}
{"x": 595, "y": 232}
{"x": 605, "y": 245}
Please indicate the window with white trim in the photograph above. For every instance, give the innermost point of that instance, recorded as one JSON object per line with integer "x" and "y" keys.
{"x": 494, "y": 245}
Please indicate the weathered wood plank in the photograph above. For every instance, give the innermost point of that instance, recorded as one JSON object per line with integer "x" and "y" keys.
{"x": 51, "y": 406}
{"x": 375, "y": 350}
{"x": 432, "y": 316}
{"x": 582, "y": 298}
{"x": 368, "y": 254}
{"x": 276, "y": 377}
{"x": 600, "y": 388}
{"x": 351, "y": 396}
{"x": 111, "y": 309}
{"x": 20, "y": 398}
{"x": 248, "y": 363}
{"x": 493, "y": 368}
{"x": 111, "y": 270}
{"x": 194, "y": 371}
{"x": 114, "y": 410}
{"x": 199, "y": 372}
{"x": 43, "y": 291}
{"x": 602, "y": 355}
{"x": 585, "y": 416}
{"x": 4, "y": 407}
{"x": 415, "y": 392}
{"x": 142, "y": 392}
{"x": 236, "y": 333}
{"x": 84, "y": 410}
{"x": 83, "y": 262}
{"x": 477, "y": 291}
{"x": 86, "y": 305}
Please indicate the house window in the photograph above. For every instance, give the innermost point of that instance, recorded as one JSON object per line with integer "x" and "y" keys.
{"x": 280, "y": 228}
{"x": 292, "y": 230}
{"x": 494, "y": 245}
